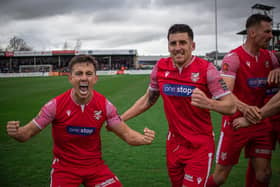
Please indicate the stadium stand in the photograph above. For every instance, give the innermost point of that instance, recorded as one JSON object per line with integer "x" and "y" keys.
{"x": 11, "y": 61}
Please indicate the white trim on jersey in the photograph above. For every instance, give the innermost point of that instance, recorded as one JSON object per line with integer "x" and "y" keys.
{"x": 221, "y": 95}
{"x": 153, "y": 89}
{"x": 231, "y": 76}
{"x": 37, "y": 124}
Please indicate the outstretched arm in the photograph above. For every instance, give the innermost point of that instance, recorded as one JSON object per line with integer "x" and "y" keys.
{"x": 141, "y": 105}
{"x": 131, "y": 136}
{"x": 24, "y": 133}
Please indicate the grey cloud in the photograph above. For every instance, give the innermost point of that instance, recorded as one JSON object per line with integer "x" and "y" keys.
{"x": 114, "y": 23}
{"x": 31, "y": 9}
{"x": 132, "y": 38}
{"x": 111, "y": 15}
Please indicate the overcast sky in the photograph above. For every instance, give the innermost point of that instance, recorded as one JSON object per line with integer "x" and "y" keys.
{"x": 124, "y": 24}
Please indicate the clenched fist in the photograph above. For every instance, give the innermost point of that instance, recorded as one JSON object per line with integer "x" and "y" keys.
{"x": 12, "y": 128}
{"x": 149, "y": 135}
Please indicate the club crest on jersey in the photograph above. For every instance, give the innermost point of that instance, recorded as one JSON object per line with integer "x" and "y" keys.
{"x": 195, "y": 76}
{"x": 97, "y": 114}
{"x": 248, "y": 64}
{"x": 166, "y": 74}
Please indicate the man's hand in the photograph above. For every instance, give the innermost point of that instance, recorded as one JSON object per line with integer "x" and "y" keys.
{"x": 252, "y": 114}
{"x": 274, "y": 76}
{"x": 12, "y": 128}
{"x": 199, "y": 99}
{"x": 149, "y": 135}
{"x": 240, "y": 122}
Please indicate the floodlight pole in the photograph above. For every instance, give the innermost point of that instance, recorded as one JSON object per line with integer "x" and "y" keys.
{"x": 216, "y": 34}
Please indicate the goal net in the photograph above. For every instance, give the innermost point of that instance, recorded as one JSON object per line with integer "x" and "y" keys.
{"x": 35, "y": 68}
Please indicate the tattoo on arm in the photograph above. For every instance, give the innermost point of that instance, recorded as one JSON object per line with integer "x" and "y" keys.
{"x": 153, "y": 96}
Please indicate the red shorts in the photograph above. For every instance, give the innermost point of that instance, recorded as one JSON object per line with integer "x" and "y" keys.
{"x": 257, "y": 144}
{"x": 97, "y": 176}
{"x": 187, "y": 164}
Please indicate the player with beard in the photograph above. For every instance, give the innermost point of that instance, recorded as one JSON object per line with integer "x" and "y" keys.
{"x": 190, "y": 87}
{"x": 272, "y": 110}
{"x": 246, "y": 70}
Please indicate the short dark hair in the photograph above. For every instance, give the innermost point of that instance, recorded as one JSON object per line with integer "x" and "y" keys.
{"x": 256, "y": 19}
{"x": 180, "y": 28}
{"x": 82, "y": 59}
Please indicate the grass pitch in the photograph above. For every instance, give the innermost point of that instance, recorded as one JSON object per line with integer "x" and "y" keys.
{"x": 28, "y": 164}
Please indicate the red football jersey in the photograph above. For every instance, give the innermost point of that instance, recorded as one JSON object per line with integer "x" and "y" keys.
{"x": 76, "y": 128}
{"x": 176, "y": 86}
{"x": 250, "y": 74}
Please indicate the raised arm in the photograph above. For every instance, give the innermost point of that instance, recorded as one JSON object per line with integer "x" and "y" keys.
{"x": 142, "y": 104}
{"x": 24, "y": 133}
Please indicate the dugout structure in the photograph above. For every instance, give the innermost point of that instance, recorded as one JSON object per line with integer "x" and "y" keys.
{"x": 58, "y": 60}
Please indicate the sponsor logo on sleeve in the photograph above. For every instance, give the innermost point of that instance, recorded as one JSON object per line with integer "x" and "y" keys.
{"x": 225, "y": 67}
{"x": 84, "y": 131}
{"x": 178, "y": 90}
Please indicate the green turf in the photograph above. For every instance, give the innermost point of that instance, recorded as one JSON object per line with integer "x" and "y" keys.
{"x": 28, "y": 164}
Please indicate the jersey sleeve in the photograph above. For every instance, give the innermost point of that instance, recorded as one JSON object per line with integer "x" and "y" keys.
{"x": 46, "y": 114}
{"x": 112, "y": 115}
{"x": 215, "y": 82}
{"x": 153, "y": 86}
{"x": 230, "y": 65}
